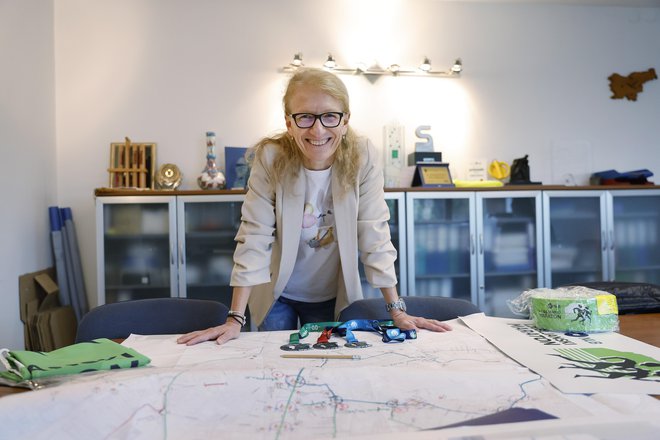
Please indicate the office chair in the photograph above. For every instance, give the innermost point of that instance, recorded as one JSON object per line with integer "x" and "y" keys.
{"x": 433, "y": 307}
{"x": 152, "y": 316}
{"x": 630, "y": 297}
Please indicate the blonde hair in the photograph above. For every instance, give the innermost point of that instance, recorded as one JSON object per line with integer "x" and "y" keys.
{"x": 289, "y": 159}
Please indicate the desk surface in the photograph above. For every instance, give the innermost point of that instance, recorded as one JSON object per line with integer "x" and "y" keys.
{"x": 246, "y": 388}
{"x": 643, "y": 327}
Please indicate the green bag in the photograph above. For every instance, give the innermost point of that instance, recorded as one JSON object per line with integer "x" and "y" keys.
{"x": 96, "y": 355}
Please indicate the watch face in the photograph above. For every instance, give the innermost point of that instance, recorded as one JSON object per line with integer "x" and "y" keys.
{"x": 398, "y": 305}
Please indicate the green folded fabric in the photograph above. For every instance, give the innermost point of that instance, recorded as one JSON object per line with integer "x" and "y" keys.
{"x": 97, "y": 355}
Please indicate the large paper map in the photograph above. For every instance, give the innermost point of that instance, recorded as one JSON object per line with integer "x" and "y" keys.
{"x": 245, "y": 389}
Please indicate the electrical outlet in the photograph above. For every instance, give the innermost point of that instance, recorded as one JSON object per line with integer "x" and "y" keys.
{"x": 393, "y": 141}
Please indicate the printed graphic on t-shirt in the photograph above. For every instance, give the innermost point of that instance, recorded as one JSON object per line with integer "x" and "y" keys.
{"x": 317, "y": 223}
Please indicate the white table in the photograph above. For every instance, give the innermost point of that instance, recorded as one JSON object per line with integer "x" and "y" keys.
{"x": 245, "y": 389}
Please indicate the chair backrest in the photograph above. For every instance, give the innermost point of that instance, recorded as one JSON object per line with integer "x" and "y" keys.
{"x": 433, "y": 307}
{"x": 150, "y": 317}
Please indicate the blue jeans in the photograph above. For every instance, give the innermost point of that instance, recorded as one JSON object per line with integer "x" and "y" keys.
{"x": 285, "y": 313}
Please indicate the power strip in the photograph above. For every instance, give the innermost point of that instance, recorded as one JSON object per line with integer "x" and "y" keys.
{"x": 393, "y": 140}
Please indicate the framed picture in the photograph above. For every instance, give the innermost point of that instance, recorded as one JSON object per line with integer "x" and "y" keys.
{"x": 237, "y": 167}
{"x": 432, "y": 175}
{"x": 132, "y": 165}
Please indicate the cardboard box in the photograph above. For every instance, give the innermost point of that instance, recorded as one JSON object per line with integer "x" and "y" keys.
{"x": 47, "y": 325}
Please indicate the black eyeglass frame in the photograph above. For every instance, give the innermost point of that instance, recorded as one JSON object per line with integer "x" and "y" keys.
{"x": 318, "y": 117}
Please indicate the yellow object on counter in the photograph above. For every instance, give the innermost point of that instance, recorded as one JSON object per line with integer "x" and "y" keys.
{"x": 477, "y": 183}
{"x": 499, "y": 170}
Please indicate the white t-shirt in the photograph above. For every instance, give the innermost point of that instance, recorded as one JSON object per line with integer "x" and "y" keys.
{"x": 314, "y": 276}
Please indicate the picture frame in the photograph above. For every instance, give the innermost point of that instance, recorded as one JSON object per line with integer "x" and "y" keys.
{"x": 432, "y": 175}
{"x": 237, "y": 167}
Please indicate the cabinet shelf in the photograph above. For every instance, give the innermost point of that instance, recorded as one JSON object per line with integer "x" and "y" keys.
{"x": 136, "y": 236}
{"x": 115, "y": 287}
{"x": 206, "y": 235}
{"x": 510, "y": 273}
{"x": 442, "y": 276}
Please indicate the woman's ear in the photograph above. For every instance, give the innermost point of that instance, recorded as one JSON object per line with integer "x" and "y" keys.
{"x": 345, "y": 123}
{"x": 287, "y": 122}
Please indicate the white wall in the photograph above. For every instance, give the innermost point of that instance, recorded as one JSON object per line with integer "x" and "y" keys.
{"x": 28, "y": 175}
{"x": 535, "y": 82}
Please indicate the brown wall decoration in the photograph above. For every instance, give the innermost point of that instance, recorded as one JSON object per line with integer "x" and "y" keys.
{"x": 629, "y": 86}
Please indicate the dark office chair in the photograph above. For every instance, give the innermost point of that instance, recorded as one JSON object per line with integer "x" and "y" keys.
{"x": 630, "y": 297}
{"x": 153, "y": 316}
{"x": 433, "y": 307}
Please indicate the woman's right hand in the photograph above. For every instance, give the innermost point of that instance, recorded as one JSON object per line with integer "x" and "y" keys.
{"x": 222, "y": 333}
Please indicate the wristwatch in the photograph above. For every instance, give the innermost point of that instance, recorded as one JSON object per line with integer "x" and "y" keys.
{"x": 396, "y": 305}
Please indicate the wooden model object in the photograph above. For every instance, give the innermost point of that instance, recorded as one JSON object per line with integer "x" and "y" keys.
{"x": 132, "y": 165}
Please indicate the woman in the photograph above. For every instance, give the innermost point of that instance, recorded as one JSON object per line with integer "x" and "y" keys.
{"x": 315, "y": 198}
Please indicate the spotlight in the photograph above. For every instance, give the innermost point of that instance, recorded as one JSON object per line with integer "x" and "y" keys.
{"x": 330, "y": 62}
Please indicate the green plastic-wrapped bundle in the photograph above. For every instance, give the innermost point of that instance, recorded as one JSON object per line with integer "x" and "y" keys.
{"x": 574, "y": 309}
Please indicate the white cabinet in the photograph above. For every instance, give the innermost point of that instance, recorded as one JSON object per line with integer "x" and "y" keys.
{"x": 183, "y": 245}
{"x": 601, "y": 235}
{"x": 485, "y": 247}
{"x": 136, "y": 245}
{"x": 396, "y": 201}
{"x": 159, "y": 246}
{"x": 206, "y": 227}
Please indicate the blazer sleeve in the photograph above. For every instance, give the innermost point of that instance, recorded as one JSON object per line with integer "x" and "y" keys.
{"x": 377, "y": 253}
{"x": 256, "y": 234}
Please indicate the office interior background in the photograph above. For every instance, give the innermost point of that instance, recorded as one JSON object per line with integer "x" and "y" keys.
{"x": 79, "y": 74}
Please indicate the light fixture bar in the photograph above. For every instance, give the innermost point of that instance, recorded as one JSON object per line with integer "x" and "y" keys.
{"x": 424, "y": 68}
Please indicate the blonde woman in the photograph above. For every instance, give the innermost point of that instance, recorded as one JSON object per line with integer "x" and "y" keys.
{"x": 315, "y": 201}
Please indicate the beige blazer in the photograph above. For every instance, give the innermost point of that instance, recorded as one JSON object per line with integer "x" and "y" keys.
{"x": 271, "y": 223}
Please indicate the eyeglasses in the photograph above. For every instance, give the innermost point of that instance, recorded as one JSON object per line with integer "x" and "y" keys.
{"x": 307, "y": 120}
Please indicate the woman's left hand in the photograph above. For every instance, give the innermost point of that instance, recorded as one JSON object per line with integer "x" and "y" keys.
{"x": 407, "y": 322}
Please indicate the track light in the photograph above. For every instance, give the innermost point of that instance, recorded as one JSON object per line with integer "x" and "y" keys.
{"x": 297, "y": 60}
{"x": 375, "y": 70}
{"x": 330, "y": 62}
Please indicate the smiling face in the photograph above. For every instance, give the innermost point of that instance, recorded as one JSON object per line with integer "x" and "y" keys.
{"x": 317, "y": 143}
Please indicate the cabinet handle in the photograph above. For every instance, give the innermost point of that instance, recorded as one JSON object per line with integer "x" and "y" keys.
{"x": 481, "y": 244}
{"x": 603, "y": 239}
{"x": 182, "y": 257}
{"x": 471, "y": 244}
{"x": 612, "y": 239}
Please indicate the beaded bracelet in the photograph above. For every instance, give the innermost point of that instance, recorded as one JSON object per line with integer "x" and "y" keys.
{"x": 237, "y": 316}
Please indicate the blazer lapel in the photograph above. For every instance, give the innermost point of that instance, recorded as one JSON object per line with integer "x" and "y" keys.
{"x": 345, "y": 207}
{"x": 293, "y": 204}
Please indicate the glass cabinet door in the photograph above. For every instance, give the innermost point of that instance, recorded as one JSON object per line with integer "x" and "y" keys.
{"x": 397, "y": 203}
{"x": 635, "y": 236}
{"x": 441, "y": 244}
{"x": 509, "y": 248}
{"x": 135, "y": 245}
{"x": 207, "y": 227}
{"x": 577, "y": 236}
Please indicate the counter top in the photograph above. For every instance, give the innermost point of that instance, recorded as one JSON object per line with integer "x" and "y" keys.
{"x": 106, "y": 192}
